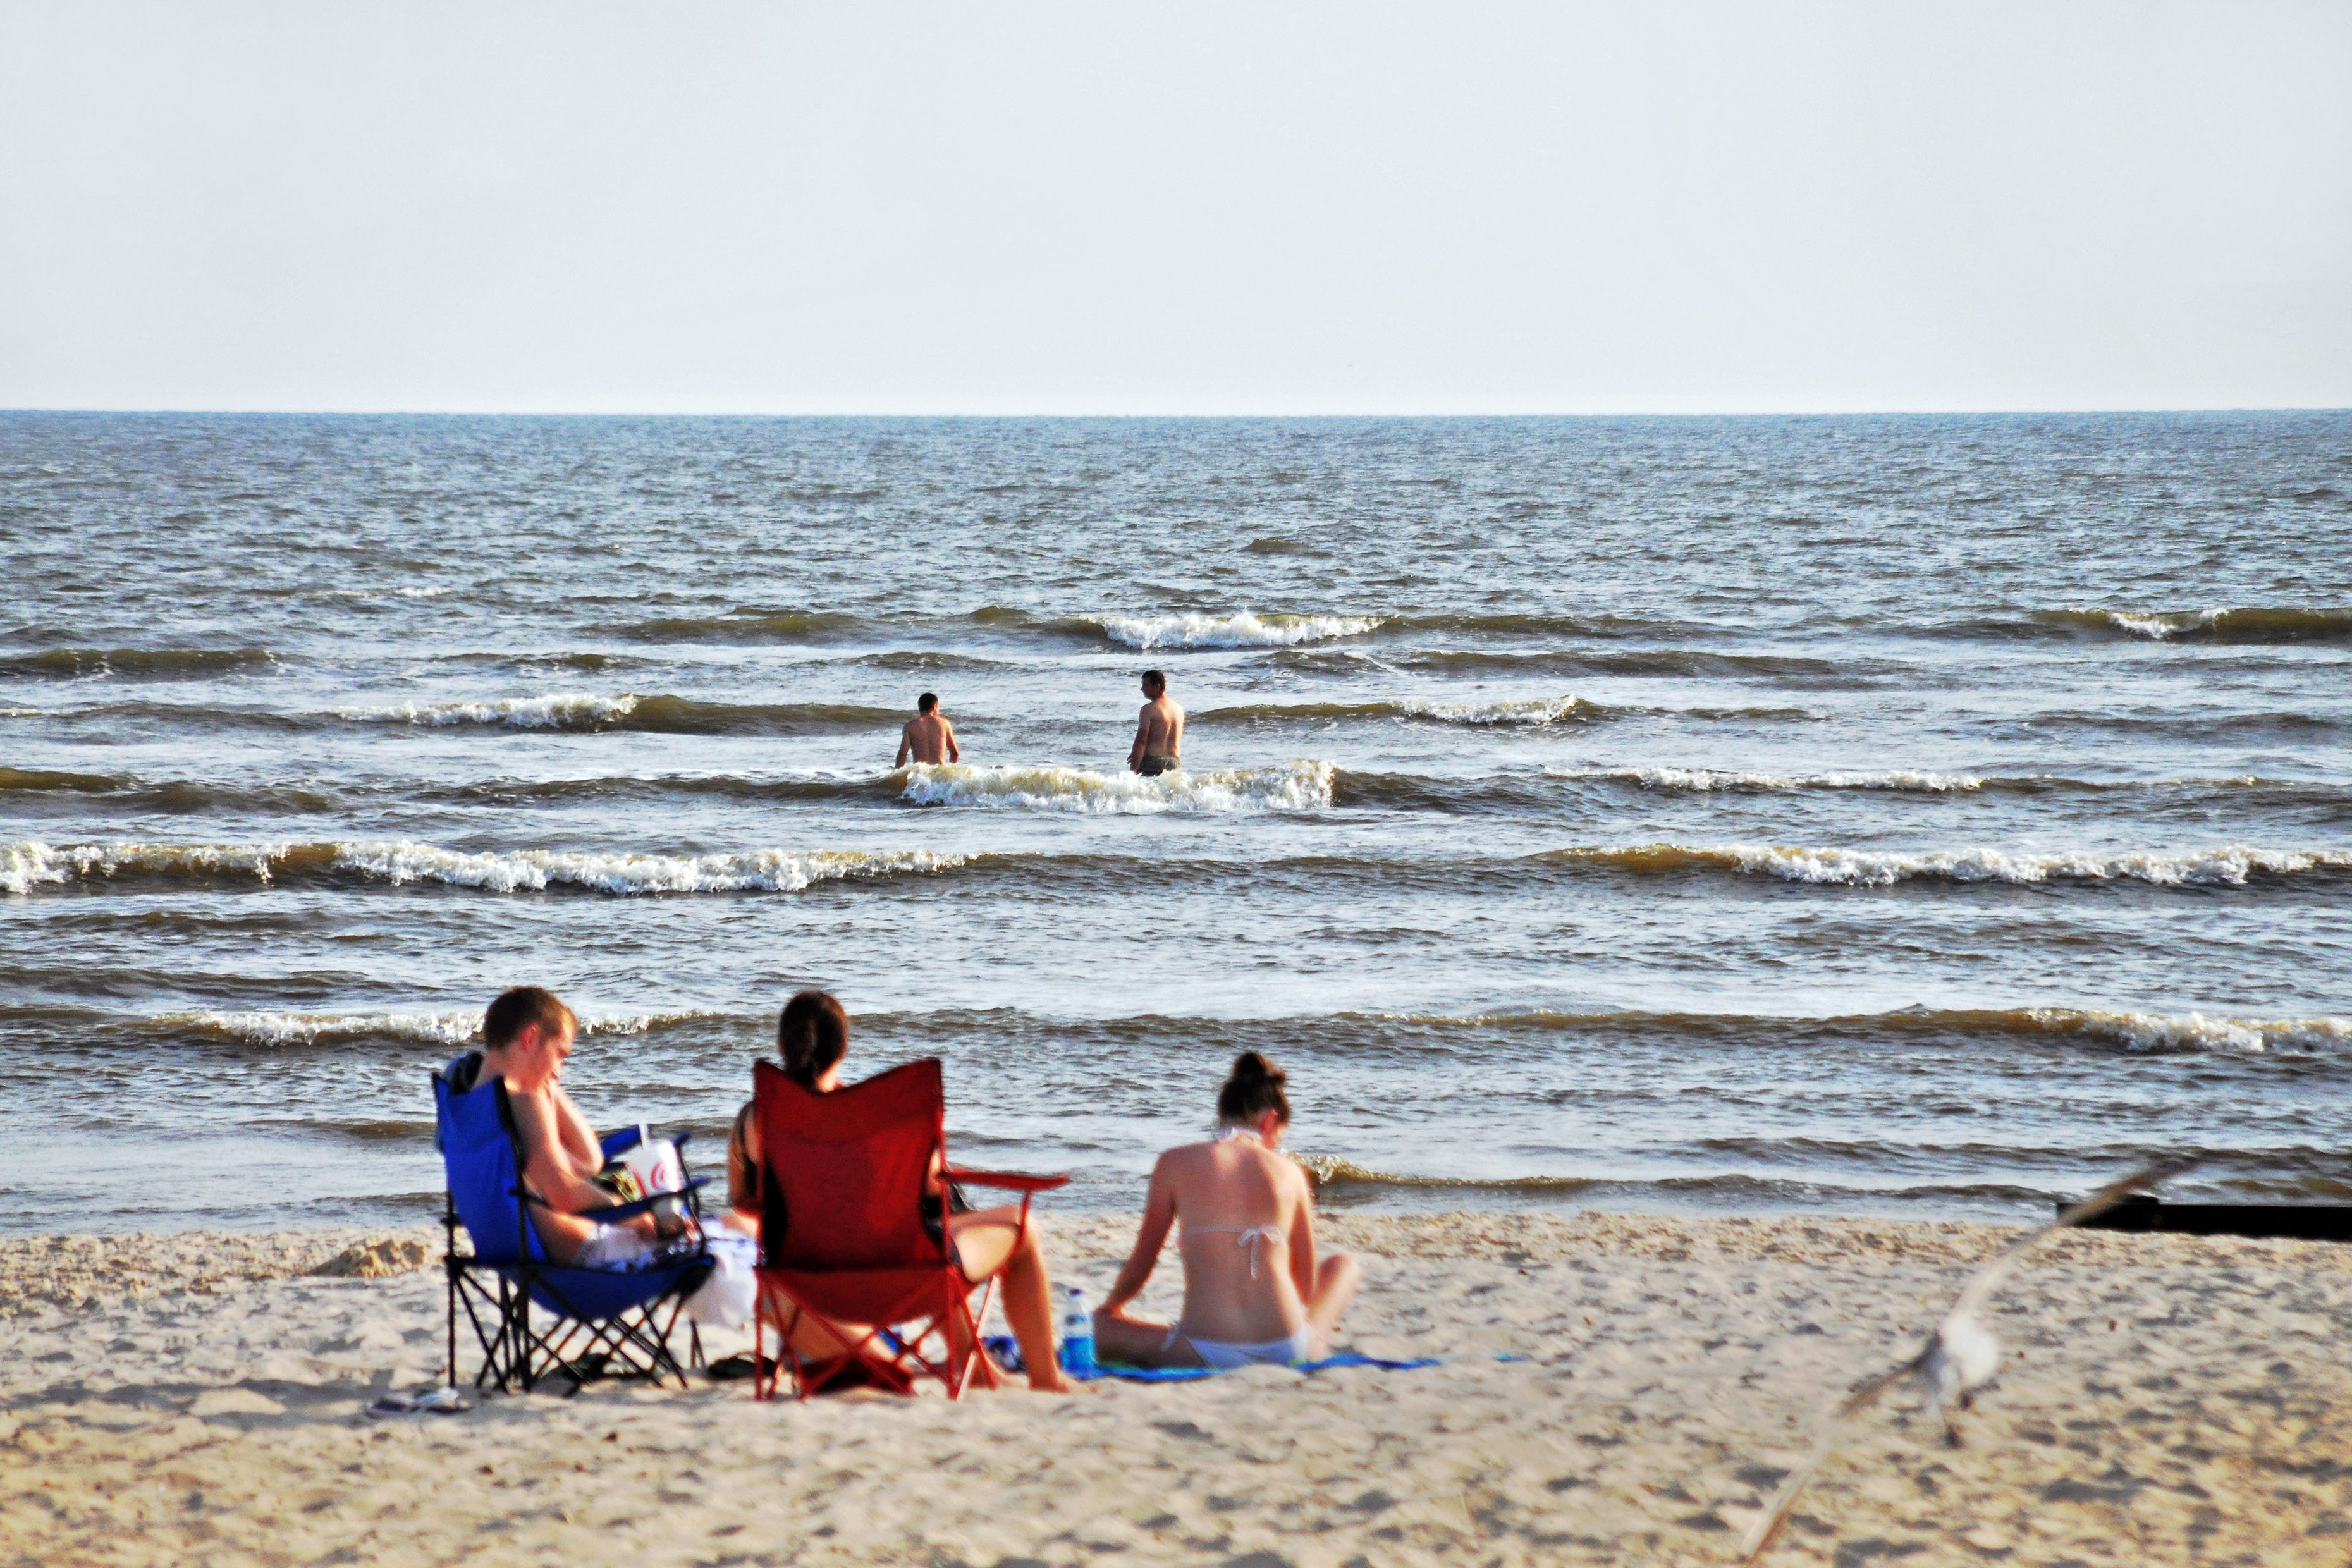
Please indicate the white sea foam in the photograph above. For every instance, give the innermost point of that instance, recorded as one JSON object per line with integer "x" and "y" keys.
{"x": 2229, "y": 866}
{"x": 408, "y": 592}
{"x": 553, "y": 711}
{"x": 2198, "y": 1031}
{"x": 1244, "y": 630}
{"x": 1533, "y": 711}
{"x": 1300, "y": 786}
{"x": 26, "y": 864}
{"x": 2158, "y": 627}
{"x": 23, "y": 712}
{"x": 759, "y": 871}
{"x": 1704, "y": 779}
{"x": 454, "y": 1028}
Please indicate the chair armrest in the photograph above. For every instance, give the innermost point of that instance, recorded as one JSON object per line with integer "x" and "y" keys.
{"x": 616, "y": 1212}
{"x": 1018, "y": 1181}
{"x": 625, "y": 1138}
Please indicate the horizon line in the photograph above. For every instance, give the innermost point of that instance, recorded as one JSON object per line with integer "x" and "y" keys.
{"x": 1927, "y": 412}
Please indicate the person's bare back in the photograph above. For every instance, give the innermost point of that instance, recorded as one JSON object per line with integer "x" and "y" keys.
{"x": 1159, "y": 731}
{"x": 927, "y": 737}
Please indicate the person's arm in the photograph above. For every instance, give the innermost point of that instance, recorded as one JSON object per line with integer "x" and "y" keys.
{"x": 1302, "y": 1243}
{"x": 743, "y": 1162}
{"x": 548, "y": 1169}
{"x": 1176, "y": 734}
{"x": 578, "y": 1140}
{"x": 1159, "y": 1215}
{"x": 955, "y": 753}
{"x": 1142, "y": 729}
{"x": 906, "y": 744}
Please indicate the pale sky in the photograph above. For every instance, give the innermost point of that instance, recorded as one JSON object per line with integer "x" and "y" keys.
{"x": 1111, "y": 208}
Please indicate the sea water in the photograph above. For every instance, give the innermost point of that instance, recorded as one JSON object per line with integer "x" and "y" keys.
{"x": 1923, "y": 815}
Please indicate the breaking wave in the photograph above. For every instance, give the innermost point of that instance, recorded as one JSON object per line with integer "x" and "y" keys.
{"x": 1531, "y": 712}
{"x": 657, "y": 714}
{"x": 2248, "y": 624}
{"x": 2231, "y": 865}
{"x": 1535, "y": 711}
{"x": 26, "y": 864}
{"x": 1300, "y": 786}
{"x": 1246, "y": 629}
{"x": 1332, "y": 1171}
{"x": 276, "y": 1029}
{"x": 1707, "y": 779}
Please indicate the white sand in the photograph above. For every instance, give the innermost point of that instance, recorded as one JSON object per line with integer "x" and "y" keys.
{"x": 2166, "y": 1401}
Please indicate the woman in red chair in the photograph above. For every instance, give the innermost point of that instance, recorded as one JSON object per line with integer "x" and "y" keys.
{"x": 812, "y": 1036}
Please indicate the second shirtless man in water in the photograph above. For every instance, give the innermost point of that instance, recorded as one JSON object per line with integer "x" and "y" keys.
{"x": 1159, "y": 731}
{"x": 927, "y": 737}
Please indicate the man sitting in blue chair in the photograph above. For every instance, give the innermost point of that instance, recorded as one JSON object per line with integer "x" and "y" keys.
{"x": 527, "y": 1033}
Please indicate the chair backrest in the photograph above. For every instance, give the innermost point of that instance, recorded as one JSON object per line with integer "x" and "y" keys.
{"x": 475, "y": 1133}
{"x": 843, "y": 1175}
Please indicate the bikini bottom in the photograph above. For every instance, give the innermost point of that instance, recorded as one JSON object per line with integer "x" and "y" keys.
{"x": 1221, "y": 1356}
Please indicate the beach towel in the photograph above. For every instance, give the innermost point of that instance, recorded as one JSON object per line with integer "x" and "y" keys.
{"x": 1008, "y": 1353}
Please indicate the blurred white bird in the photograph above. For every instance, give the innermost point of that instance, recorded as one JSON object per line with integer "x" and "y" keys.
{"x": 1959, "y": 1358}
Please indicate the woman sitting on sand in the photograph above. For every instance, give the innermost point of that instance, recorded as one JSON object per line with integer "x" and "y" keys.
{"x": 1252, "y": 1289}
{"x": 812, "y": 1036}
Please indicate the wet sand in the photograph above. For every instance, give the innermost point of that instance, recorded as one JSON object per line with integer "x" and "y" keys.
{"x": 200, "y": 1399}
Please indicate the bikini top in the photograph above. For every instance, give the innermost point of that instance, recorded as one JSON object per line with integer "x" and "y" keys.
{"x": 1248, "y": 1235}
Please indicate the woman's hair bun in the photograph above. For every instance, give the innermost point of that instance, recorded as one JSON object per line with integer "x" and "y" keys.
{"x": 1252, "y": 1088}
{"x": 1250, "y": 1068}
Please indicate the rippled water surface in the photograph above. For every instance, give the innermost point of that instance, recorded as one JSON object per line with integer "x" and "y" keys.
{"x": 1903, "y": 814}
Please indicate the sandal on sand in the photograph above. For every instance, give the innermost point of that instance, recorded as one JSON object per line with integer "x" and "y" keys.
{"x": 432, "y": 1402}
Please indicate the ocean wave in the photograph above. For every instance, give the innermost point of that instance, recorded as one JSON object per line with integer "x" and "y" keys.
{"x": 1707, "y": 779}
{"x": 1300, "y": 786}
{"x": 1928, "y": 781}
{"x": 410, "y": 592}
{"x": 1351, "y": 1035}
{"x": 2190, "y": 1032}
{"x": 743, "y": 626}
{"x": 2229, "y": 866}
{"x": 276, "y": 1029}
{"x": 553, "y": 711}
{"x": 2255, "y": 624}
{"x": 1790, "y": 670}
{"x": 1246, "y": 629}
{"x": 659, "y": 714}
{"x": 1334, "y": 1171}
{"x": 1531, "y": 712}
{"x": 138, "y": 663}
{"x": 168, "y": 795}
{"x": 28, "y": 864}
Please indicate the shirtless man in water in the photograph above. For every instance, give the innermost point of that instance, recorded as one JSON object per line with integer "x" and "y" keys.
{"x": 1159, "y": 731}
{"x": 927, "y": 737}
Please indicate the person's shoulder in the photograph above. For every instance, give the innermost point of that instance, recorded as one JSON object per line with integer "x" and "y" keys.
{"x": 1182, "y": 1157}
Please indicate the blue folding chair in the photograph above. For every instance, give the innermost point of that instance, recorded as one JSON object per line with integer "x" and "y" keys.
{"x": 610, "y": 1322}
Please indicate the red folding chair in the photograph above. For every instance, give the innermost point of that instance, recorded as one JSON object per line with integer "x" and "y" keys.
{"x": 841, "y": 1182}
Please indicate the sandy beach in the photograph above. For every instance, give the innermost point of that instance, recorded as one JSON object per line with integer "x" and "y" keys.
{"x": 201, "y": 1399}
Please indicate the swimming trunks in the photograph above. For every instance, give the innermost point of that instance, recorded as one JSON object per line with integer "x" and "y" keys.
{"x": 1153, "y": 766}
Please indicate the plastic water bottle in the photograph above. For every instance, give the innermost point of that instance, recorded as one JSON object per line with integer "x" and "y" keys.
{"x": 1077, "y": 1333}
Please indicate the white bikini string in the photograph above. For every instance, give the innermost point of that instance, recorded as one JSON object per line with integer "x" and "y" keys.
{"x": 1252, "y": 1236}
